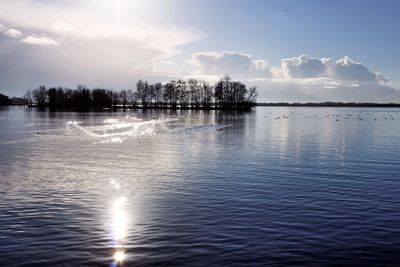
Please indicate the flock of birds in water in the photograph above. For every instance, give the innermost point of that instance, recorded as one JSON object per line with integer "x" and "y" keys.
{"x": 337, "y": 117}
{"x": 293, "y": 114}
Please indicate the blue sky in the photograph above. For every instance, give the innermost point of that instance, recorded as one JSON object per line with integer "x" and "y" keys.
{"x": 365, "y": 30}
{"x": 281, "y": 46}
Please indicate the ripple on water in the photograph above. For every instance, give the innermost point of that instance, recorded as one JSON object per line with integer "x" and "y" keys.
{"x": 200, "y": 189}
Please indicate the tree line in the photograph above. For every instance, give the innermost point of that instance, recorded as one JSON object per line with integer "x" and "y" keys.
{"x": 184, "y": 94}
{"x": 4, "y": 100}
{"x": 331, "y": 104}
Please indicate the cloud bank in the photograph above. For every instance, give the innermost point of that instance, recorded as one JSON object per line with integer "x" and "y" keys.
{"x": 67, "y": 43}
{"x": 301, "y": 78}
{"x": 343, "y": 69}
{"x": 227, "y": 62}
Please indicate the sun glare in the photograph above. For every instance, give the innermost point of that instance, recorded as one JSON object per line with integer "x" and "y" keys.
{"x": 119, "y": 225}
{"x": 119, "y": 256}
{"x": 119, "y": 220}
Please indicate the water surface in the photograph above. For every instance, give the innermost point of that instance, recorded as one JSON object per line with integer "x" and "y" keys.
{"x": 281, "y": 186}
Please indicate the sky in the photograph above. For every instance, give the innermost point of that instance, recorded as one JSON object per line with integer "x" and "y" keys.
{"x": 292, "y": 50}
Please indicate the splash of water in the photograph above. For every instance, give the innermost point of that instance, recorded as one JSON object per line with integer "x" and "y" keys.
{"x": 118, "y": 130}
{"x": 115, "y": 131}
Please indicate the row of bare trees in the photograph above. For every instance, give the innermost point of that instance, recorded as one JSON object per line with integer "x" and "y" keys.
{"x": 4, "y": 100}
{"x": 196, "y": 94}
{"x": 173, "y": 94}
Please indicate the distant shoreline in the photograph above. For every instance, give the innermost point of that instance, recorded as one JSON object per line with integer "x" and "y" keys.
{"x": 331, "y": 104}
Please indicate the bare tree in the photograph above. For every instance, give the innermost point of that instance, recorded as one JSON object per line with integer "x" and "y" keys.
{"x": 40, "y": 96}
{"x": 183, "y": 93}
{"x": 28, "y": 97}
{"x": 206, "y": 95}
{"x": 158, "y": 94}
{"x": 170, "y": 94}
{"x": 225, "y": 94}
{"x": 142, "y": 92}
{"x": 252, "y": 95}
{"x": 124, "y": 97}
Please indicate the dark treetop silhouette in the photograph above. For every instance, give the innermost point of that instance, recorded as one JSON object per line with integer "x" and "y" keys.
{"x": 191, "y": 94}
{"x": 4, "y": 100}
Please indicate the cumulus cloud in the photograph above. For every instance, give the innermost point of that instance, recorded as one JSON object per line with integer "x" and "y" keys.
{"x": 304, "y": 67}
{"x": 294, "y": 91}
{"x": 299, "y": 79}
{"x": 228, "y": 62}
{"x": 70, "y": 42}
{"x": 382, "y": 79}
{"x": 344, "y": 69}
{"x": 347, "y": 69}
{"x": 13, "y": 33}
{"x": 43, "y": 40}
{"x": 304, "y": 79}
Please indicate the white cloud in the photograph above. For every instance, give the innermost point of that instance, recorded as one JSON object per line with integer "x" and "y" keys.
{"x": 382, "y": 79}
{"x": 304, "y": 67}
{"x": 101, "y": 47}
{"x": 344, "y": 69}
{"x": 83, "y": 22}
{"x": 299, "y": 79}
{"x": 260, "y": 69}
{"x": 42, "y": 40}
{"x": 63, "y": 27}
{"x": 293, "y": 91}
{"x": 13, "y": 33}
{"x": 313, "y": 79}
{"x": 91, "y": 45}
{"x": 347, "y": 69}
{"x": 228, "y": 62}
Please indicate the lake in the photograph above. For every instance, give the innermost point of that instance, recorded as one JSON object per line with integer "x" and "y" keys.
{"x": 280, "y": 186}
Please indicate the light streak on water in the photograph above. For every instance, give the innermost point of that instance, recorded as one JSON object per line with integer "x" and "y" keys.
{"x": 119, "y": 225}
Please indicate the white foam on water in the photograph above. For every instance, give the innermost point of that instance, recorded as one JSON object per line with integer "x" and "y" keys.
{"x": 116, "y": 131}
{"x": 112, "y": 140}
{"x": 111, "y": 121}
{"x": 132, "y": 118}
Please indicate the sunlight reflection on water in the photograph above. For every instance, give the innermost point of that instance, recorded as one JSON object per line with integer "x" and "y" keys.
{"x": 115, "y": 131}
{"x": 119, "y": 130}
{"x": 119, "y": 225}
